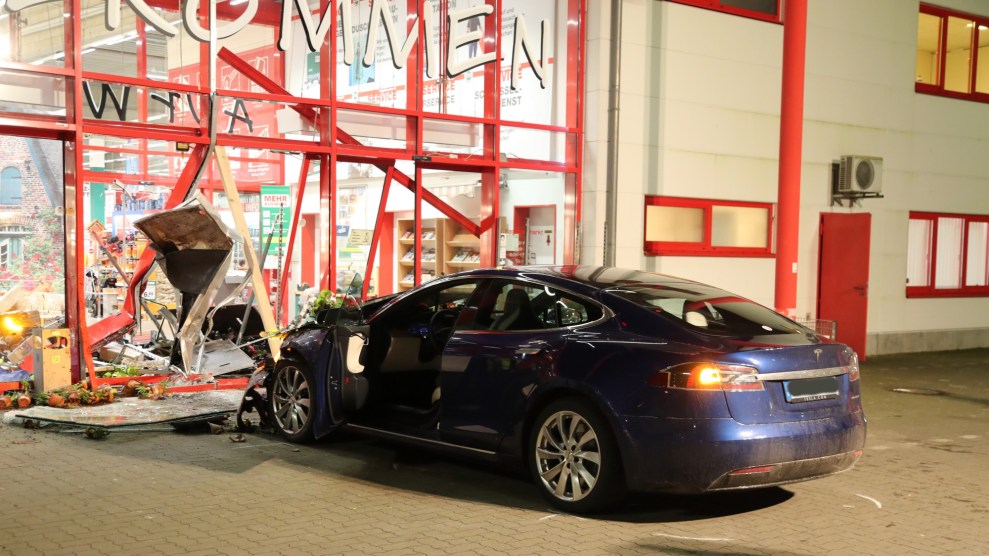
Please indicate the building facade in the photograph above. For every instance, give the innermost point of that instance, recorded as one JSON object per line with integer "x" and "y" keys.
{"x": 405, "y": 140}
{"x": 699, "y": 134}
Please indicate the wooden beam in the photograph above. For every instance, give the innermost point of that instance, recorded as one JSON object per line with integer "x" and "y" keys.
{"x": 257, "y": 280}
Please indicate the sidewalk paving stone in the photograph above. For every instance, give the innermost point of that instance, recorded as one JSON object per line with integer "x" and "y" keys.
{"x": 921, "y": 487}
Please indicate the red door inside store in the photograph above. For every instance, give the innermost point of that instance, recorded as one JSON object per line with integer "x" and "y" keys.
{"x": 308, "y": 226}
{"x": 843, "y": 275}
{"x": 536, "y": 228}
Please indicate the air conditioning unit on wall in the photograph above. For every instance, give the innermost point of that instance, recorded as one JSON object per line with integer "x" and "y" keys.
{"x": 860, "y": 174}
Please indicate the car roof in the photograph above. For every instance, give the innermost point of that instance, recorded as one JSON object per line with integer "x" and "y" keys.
{"x": 584, "y": 277}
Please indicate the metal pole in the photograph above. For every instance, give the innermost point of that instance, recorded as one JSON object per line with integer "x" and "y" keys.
{"x": 280, "y": 223}
{"x": 212, "y": 47}
{"x": 791, "y": 144}
{"x": 614, "y": 109}
{"x": 250, "y": 298}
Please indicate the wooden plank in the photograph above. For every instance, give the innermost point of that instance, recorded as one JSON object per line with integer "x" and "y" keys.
{"x": 257, "y": 280}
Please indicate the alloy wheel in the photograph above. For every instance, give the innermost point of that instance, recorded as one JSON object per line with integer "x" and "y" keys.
{"x": 568, "y": 456}
{"x": 291, "y": 399}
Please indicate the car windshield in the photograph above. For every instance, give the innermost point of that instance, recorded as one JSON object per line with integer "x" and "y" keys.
{"x": 708, "y": 309}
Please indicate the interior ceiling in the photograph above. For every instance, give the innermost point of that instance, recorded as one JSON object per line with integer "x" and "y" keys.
{"x": 42, "y": 31}
{"x": 105, "y": 51}
{"x": 44, "y": 36}
{"x": 959, "y": 33}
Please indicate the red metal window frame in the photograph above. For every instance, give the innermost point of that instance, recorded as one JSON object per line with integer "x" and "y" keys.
{"x": 938, "y": 89}
{"x": 328, "y": 149}
{"x": 930, "y": 290}
{"x": 717, "y": 6}
{"x": 704, "y": 248}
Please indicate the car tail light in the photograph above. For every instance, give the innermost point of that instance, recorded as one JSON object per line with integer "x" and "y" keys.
{"x": 708, "y": 376}
{"x": 853, "y": 367}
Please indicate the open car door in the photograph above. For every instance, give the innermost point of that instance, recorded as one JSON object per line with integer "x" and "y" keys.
{"x": 347, "y": 387}
{"x": 318, "y": 381}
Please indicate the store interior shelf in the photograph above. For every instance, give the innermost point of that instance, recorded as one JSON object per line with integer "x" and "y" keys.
{"x": 442, "y": 240}
{"x": 471, "y": 241}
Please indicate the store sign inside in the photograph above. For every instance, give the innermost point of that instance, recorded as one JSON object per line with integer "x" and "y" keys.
{"x": 381, "y": 12}
{"x": 171, "y": 101}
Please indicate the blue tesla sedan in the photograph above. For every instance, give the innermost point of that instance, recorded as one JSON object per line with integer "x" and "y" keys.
{"x": 596, "y": 380}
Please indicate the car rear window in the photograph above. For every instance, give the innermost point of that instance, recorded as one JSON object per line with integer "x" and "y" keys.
{"x": 709, "y": 310}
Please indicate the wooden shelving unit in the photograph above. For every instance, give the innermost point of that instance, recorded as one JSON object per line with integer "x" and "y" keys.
{"x": 431, "y": 238}
{"x": 461, "y": 249}
{"x": 446, "y": 248}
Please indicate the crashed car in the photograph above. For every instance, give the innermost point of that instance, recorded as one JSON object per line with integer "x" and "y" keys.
{"x": 598, "y": 381}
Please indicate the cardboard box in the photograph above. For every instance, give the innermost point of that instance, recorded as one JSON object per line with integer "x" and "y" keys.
{"x": 55, "y": 370}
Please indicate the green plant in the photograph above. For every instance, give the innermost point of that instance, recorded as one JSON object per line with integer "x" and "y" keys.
{"x": 120, "y": 371}
{"x": 326, "y": 300}
{"x": 312, "y": 306}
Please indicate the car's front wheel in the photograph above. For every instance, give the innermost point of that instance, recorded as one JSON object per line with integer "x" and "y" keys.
{"x": 574, "y": 458}
{"x": 291, "y": 400}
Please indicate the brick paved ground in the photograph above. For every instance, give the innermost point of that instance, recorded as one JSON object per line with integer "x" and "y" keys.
{"x": 921, "y": 488}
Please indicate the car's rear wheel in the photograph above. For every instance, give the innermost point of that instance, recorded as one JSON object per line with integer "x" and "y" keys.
{"x": 574, "y": 458}
{"x": 291, "y": 400}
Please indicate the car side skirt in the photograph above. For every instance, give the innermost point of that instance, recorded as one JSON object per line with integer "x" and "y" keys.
{"x": 419, "y": 441}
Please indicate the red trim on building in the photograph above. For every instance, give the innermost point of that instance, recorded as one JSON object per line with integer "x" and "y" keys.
{"x": 134, "y": 138}
{"x": 705, "y": 247}
{"x": 979, "y": 25}
{"x": 791, "y": 156}
{"x": 931, "y": 290}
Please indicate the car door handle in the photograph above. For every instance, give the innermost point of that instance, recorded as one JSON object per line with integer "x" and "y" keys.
{"x": 527, "y": 351}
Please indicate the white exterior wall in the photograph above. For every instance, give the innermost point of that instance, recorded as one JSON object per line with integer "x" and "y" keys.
{"x": 700, "y": 104}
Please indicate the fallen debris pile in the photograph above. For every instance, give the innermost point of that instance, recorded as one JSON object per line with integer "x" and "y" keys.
{"x": 132, "y": 412}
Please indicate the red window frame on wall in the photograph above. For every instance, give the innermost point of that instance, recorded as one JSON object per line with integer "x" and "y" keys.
{"x": 705, "y": 248}
{"x": 720, "y": 6}
{"x": 938, "y": 89}
{"x": 930, "y": 290}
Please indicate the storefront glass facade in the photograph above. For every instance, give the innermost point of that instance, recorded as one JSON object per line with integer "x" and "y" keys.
{"x": 403, "y": 140}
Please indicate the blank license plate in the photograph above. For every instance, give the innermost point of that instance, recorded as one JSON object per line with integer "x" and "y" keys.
{"x": 811, "y": 389}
